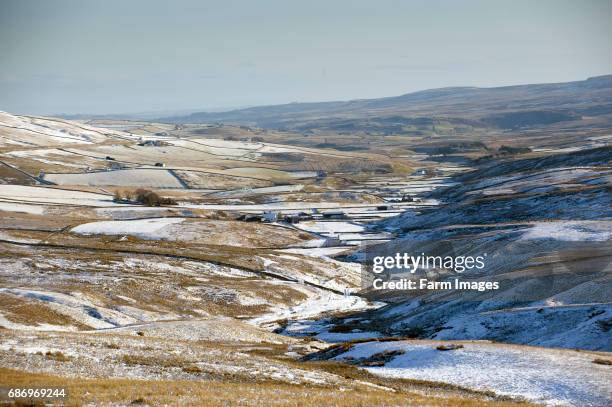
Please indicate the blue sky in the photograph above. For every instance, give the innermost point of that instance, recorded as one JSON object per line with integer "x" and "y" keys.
{"x": 145, "y": 56}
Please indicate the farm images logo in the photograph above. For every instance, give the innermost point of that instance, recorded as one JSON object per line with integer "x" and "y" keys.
{"x": 387, "y": 267}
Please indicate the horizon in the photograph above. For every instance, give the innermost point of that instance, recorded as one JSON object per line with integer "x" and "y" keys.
{"x": 220, "y": 109}
{"x": 111, "y": 58}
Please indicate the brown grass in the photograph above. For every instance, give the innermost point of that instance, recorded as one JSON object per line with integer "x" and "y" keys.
{"x": 57, "y": 356}
{"x": 153, "y": 291}
{"x": 12, "y": 176}
{"x": 192, "y": 369}
{"x": 154, "y": 361}
{"x": 214, "y": 393}
{"x": 28, "y": 312}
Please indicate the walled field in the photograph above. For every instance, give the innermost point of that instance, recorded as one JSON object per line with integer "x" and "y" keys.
{"x": 144, "y": 178}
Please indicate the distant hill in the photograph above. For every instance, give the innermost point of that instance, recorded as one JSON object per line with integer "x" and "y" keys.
{"x": 505, "y": 107}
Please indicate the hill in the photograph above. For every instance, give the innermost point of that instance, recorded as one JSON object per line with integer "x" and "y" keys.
{"x": 507, "y": 107}
{"x": 543, "y": 224}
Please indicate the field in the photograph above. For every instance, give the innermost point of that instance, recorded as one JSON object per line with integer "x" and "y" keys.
{"x": 122, "y": 178}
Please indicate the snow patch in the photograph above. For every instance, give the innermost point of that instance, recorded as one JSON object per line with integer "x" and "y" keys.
{"x": 153, "y": 228}
{"x": 572, "y": 231}
{"x": 541, "y": 375}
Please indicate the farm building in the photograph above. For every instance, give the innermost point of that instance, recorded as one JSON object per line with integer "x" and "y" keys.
{"x": 334, "y": 215}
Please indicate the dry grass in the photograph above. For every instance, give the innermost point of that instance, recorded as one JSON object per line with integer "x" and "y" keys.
{"x": 214, "y": 393}
{"x": 29, "y": 312}
{"x": 152, "y": 290}
{"x": 9, "y": 175}
{"x": 192, "y": 369}
{"x": 171, "y": 361}
{"x": 110, "y": 246}
{"x": 57, "y": 356}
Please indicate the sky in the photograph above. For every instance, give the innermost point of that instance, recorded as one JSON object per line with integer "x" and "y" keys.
{"x": 109, "y": 57}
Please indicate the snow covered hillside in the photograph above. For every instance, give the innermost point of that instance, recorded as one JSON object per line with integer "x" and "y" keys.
{"x": 549, "y": 376}
{"x": 545, "y": 225}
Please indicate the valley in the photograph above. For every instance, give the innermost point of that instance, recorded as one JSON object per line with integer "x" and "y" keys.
{"x": 230, "y": 253}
